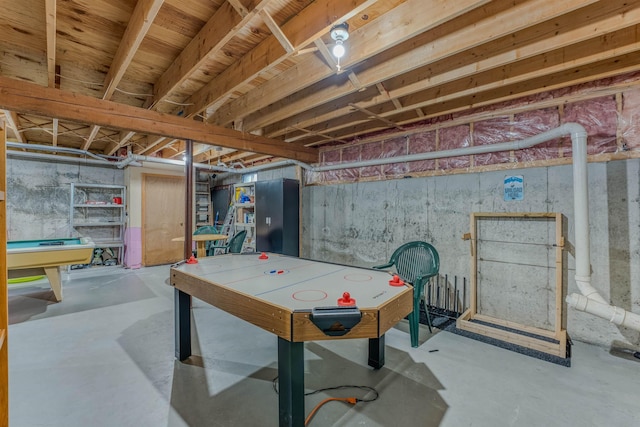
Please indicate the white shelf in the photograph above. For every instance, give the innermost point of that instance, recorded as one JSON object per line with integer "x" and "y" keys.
{"x": 98, "y": 224}
{"x": 96, "y": 205}
{"x": 202, "y": 204}
{"x": 94, "y": 214}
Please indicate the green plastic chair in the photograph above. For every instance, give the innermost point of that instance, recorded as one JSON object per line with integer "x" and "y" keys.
{"x": 415, "y": 263}
{"x": 207, "y": 229}
{"x": 234, "y": 245}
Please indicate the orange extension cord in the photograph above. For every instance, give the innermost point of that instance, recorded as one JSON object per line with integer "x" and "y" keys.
{"x": 351, "y": 400}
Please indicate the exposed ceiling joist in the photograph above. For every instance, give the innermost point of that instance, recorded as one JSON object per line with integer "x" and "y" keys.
{"x": 12, "y": 121}
{"x": 495, "y": 26}
{"x": 216, "y": 33}
{"x": 50, "y": 10}
{"x": 399, "y": 25}
{"x": 34, "y": 99}
{"x": 310, "y": 24}
{"x": 264, "y": 67}
{"x": 143, "y": 16}
{"x": 277, "y": 31}
{"x": 56, "y": 130}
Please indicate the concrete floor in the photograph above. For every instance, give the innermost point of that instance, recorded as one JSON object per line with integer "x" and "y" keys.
{"x": 105, "y": 357}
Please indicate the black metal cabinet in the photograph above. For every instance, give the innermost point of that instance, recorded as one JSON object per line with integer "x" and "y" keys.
{"x": 277, "y": 205}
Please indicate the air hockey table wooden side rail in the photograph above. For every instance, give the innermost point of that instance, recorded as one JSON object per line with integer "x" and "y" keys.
{"x": 291, "y": 325}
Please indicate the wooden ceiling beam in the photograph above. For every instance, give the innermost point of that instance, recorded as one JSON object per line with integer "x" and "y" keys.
{"x": 373, "y": 116}
{"x": 216, "y": 33}
{"x": 50, "y": 11}
{"x": 308, "y": 25}
{"x": 505, "y": 90}
{"x": 326, "y": 55}
{"x": 276, "y": 31}
{"x": 141, "y": 19}
{"x": 213, "y": 154}
{"x": 167, "y": 143}
{"x": 92, "y": 135}
{"x": 497, "y": 24}
{"x": 13, "y": 122}
{"x": 123, "y": 141}
{"x": 56, "y": 129}
{"x": 319, "y": 134}
{"x": 139, "y": 24}
{"x": 34, "y": 99}
{"x": 394, "y": 27}
{"x": 146, "y": 149}
{"x": 239, "y": 7}
{"x": 611, "y": 25}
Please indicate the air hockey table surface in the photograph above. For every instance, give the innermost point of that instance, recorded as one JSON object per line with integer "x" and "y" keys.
{"x": 278, "y": 293}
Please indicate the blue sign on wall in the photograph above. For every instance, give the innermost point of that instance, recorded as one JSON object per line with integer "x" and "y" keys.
{"x": 513, "y": 188}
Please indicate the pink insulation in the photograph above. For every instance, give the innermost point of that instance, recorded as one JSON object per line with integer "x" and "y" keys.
{"x": 422, "y": 143}
{"x": 600, "y": 119}
{"x": 395, "y": 148}
{"x": 610, "y": 128}
{"x": 531, "y": 123}
{"x": 630, "y": 119}
{"x": 370, "y": 151}
{"x": 350, "y": 154}
{"x": 454, "y": 137}
{"x": 490, "y": 132}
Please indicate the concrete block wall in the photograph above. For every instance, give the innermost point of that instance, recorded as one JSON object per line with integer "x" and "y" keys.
{"x": 362, "y": 223}
{"x": 38, "y": 195}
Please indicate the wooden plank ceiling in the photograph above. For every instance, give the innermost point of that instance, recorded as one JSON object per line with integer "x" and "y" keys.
{"x": 253, "y": 80}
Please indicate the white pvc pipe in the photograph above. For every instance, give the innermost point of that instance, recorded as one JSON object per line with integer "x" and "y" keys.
{"x": 613, "y": 314}
{"x": 590, "y": 301}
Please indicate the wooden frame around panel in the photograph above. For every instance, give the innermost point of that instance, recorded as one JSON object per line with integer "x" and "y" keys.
{"x": 522, "y": 335}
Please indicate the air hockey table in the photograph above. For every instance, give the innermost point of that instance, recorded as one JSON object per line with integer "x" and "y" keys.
{"x": 296, "y": 299}
{"x": 47, "y": 256}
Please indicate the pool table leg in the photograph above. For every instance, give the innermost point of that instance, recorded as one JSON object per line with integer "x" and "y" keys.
{"x": 55, "y": 279}
{"x": 291, "y": 383}
{"x": 376, "y": 352}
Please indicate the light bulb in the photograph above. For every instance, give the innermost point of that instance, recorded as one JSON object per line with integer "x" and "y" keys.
{"x": 338, "y": 49}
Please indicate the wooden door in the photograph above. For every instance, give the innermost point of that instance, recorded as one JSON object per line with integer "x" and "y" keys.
{"x": 163, "y": 204}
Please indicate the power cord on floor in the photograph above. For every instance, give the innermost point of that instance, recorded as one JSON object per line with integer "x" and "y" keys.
{"x": 350, "y": 400}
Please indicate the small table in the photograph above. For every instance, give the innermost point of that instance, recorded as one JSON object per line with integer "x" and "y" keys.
{"x": 201, "y": 242}
{"x": 295, "y": 299}
{"x": 36, "y": 257}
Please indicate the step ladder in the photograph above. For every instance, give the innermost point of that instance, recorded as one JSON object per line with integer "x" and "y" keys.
{"x": 227, "y": 227}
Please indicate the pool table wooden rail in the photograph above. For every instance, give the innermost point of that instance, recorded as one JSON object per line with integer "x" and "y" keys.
{"x": 38, "y": 260}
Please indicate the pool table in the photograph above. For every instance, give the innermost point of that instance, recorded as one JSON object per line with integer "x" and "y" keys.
{"x": 36, "y": 257}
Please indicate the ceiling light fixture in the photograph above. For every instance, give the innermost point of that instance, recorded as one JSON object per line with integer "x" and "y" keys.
{"x": 339, "y": 33}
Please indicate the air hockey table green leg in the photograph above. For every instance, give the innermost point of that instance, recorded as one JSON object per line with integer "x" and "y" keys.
{"x": 291, "y": 378}
{"x": 291, "y": 383}
{"x": 182, "y": 327}
{"x": 376, "y": 352}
